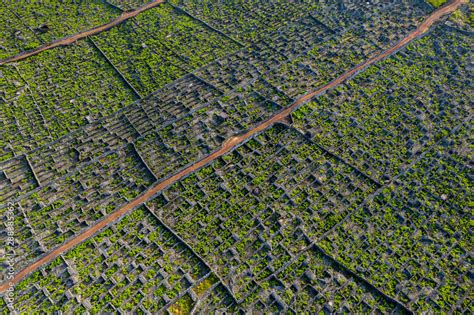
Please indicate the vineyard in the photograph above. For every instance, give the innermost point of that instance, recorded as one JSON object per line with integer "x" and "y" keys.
{"x": 358, "y": 200}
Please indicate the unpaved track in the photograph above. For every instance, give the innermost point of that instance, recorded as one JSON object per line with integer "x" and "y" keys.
{"x": 227, "y": 146}
{"x": 73, "y": 38}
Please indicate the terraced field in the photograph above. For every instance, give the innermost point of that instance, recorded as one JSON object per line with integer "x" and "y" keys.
{"x": 245, "y": 156}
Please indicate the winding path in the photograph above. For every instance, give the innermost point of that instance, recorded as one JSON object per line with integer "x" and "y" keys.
{"x": 227, "y": 146}
{"x": 73, "y": 38}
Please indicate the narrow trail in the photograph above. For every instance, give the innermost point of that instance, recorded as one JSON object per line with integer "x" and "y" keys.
{"x": 68, "y": 40}
{"x": 227, "y": 146}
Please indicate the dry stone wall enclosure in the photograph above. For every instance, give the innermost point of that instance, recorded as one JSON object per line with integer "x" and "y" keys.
{"x": 209, "y": 157}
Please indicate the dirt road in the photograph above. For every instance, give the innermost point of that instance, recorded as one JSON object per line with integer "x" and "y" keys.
{"x": 227, "y": 146}
{"x": 71, "y": 39}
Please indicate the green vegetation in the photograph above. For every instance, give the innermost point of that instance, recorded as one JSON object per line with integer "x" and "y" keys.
{"x": 380, "y": 120}
{"x": 436, "y": 3}
{"x": 359, "y": 203}
{"x": 464, "y": 17}
{"x": 247, "y": 20}
{"x": 27, "y": 24}
{"x": 128, "y": 4}
{"x": 134, "y": 262}
{"x": 270, "y": 198}
{"x": 21, "y": 177}
{"x": 60, "y": 209}
{"x": 54, "y": 93}
{"x": 313, "y": 283}
{"x": 174, "y": 146}
{"x": 15, "y": 37}
{"x": 404, "y": 123}
{"x": 161, "y": 45}
{"x": 205, "y": 285}
{"x": 181, "y": 306}
{"x": 307, "y": 53}
{"x": 411, "y": 243}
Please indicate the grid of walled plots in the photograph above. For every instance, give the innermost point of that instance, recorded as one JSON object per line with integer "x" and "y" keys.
{"x": 414, "y": 239}
{"x": 300, "y": 71}
{"x": 15, "y": 36}
{"x": 313, "y": 61}
{"x": 28, "y": 24}
{"x": 127, "y": 5}
{"x": 245, "y": 95}
{"x": 186, "y": 141}
{"x": 156, "y": 58}
{"x": 16, "y": 176}
{"x": 384, "y": 117}
{"x": 96, "y": 77}
{"x": 135, "y": 265}
{"x": 191, "y": 117}
{"x": 54, "y": 93}
{"x": 58, "y": 210}
{"x": 374, "y": 18}
{"x": 91, "y": 171}
{"x": 314, "y": 283}
{"x": 303, "y": 55}
{"x": 462, "y": 18}
{"x": 75, "y": 169}
{"x": 238, "y": 74}
{"x": 161, "y": 45}
{"x": 246, "y": 21}
{"x": 252, "y": 21}
{"x": 267, "y": 65}
{"x": 261, "y": 65}
{"x": 251, "y": 213}
{"x": 96, "y": 139}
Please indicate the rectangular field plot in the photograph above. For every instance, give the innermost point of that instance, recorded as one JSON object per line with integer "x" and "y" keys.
{"x": 161, "y": 45}
{"x": 462, "y": 18}
{"x": 56, "y": 92}
{"x": 381, "y": 119}
{"x": 136, "y": 265}
{"x": 251, "y": 211}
